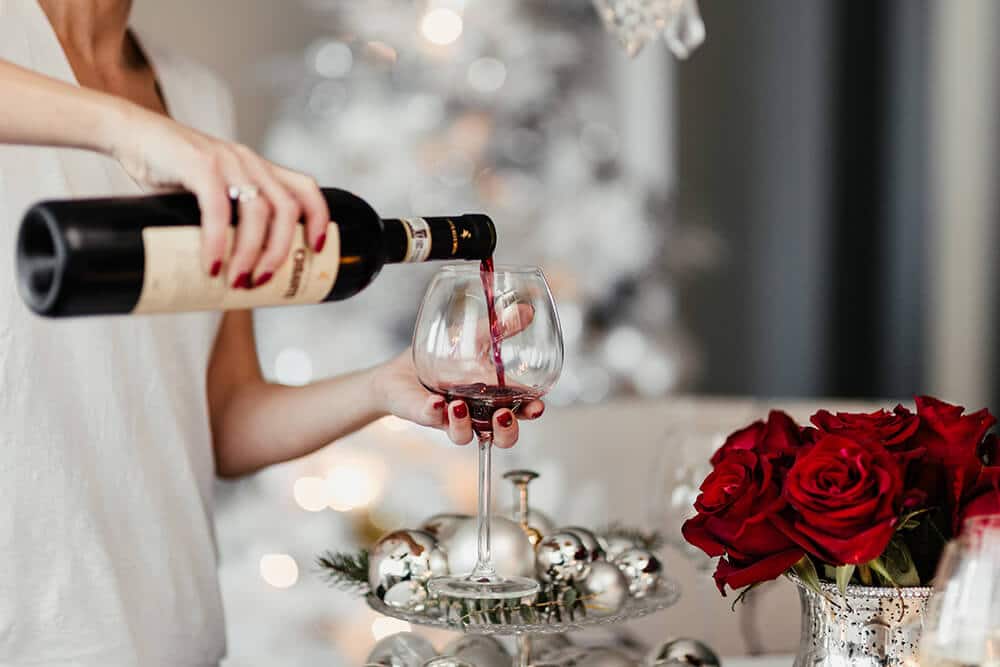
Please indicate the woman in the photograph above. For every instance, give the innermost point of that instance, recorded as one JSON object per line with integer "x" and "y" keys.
{"x": 111, "y": 429}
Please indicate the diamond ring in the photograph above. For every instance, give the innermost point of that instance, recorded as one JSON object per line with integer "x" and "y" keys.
{"x": 243, "y": 193}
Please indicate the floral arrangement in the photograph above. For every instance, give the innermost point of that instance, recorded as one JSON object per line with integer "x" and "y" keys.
{"x": 865, "y": 499}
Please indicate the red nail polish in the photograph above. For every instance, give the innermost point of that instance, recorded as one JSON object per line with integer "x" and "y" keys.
{"x": 242, "y": 281}
{"x": 320, "y": 242}
{"x": 538, "y": 413}
{"x": 216, "y": 267}
{"x": 505, "y": 419}
{"x": 439, "y": 404}
{"x": 460, "y": 411}
{"x": 263, "y": 278}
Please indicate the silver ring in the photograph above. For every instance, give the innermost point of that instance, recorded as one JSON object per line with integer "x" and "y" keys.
{"x": 243, "y": 193}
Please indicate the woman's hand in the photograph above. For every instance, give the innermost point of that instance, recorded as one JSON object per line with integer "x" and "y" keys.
{"x": 399, "y": 392}
{"x": 159, "y": 152}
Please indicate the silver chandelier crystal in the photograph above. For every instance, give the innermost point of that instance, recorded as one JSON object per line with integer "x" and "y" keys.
{"x": 636, "y": 22}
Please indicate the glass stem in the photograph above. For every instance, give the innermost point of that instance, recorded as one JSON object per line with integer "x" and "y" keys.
{"x": 523, "y": 658}
{"x": 484, "y": 563}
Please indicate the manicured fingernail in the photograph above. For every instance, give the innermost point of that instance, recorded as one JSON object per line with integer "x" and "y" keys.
{"x": 439, "y": 404}
{"x": 262, "y": 278}
{"x": 320, "y": 242}
{"x": 216, "y": 267}
{"x": 505, "y": 419}
{"x": 538, "y": 413}
{"x": 460, "y": 411}
{"x": 242, "y": 281}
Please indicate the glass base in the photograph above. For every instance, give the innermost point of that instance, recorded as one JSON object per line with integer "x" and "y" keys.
{"x": 485, "y": 588}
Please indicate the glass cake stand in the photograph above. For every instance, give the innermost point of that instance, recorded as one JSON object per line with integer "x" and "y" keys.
{"x": 484, "y": 619}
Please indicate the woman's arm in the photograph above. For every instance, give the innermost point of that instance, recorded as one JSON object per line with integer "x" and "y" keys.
{"x": 256, "y": 424}
{"x": 40, "y": 110}
{"x": 157, "y": 151}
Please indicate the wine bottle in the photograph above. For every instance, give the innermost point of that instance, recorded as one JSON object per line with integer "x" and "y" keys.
{"x": 143, "y": 255}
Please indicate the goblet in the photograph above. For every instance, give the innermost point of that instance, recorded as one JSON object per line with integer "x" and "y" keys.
{"x": 492, "y": 339}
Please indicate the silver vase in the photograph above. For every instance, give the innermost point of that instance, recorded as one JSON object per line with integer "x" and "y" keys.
{"x": 866, "y": 627}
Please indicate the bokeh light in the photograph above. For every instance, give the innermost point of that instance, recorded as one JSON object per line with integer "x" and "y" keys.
{"x": 441, "y": 26}
{"x": 487, "y": 75}
{"x": 352, "y": 484}
{"x": 310, "y": 493}
{"x": 385, "y": 626}
{"x": 279, "y": 570}
{"x": 332, "y": 59}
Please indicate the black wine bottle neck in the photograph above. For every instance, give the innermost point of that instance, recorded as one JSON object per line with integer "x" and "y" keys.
{"x": 471, "y": 236}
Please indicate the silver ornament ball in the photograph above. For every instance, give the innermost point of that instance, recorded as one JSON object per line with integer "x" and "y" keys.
{"x": 513, "y": 555}
{"x": 404, "y": 556}
{"x": 615, "y": 545}
{"x": 542, "y": 646}
{"x": 642, "y": 571}
{"x": 561, "y": 558}
{"x": 403, "y": 649}
{"x": 442, "y": 526}
{"x": 605, "y": 590}
{"x": 478, "y": 650}
{"x": 589, "y": 540}
{"x": 682, "y": 652}
{"x": 407, "y": 595}
{"x": 447, "y": 661}
{"x": 605, "y": 657}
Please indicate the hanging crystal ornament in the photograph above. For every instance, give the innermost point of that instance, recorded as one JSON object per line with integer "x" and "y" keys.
{"x": 636, "y": 22}
{"x": 685, "y": 31}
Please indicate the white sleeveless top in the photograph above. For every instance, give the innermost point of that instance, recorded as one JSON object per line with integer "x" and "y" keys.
{"x": 107, "y": 553}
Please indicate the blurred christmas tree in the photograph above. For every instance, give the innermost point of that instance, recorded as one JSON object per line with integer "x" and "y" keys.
{"x": 446, "y": 106}
{"x": 442, "y": 107}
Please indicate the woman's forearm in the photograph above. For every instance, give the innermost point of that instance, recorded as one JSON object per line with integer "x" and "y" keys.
{"x": 261, "y": 423}
{"x": 40, "y": 110}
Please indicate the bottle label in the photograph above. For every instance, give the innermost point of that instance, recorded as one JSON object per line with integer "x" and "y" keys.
{"x": 418, "y": 234}
{"x": 174, "y": 280}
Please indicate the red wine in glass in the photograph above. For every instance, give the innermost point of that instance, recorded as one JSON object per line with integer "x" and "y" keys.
{"x": 484, "y": 399}
{"x": 487, "y": 276}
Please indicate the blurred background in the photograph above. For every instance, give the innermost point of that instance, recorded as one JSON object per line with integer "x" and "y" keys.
{"x": 806, "y": 207}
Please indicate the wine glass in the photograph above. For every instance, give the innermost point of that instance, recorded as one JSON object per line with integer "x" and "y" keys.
{"x": 963, "y": 621}
{"x": 492, "y": 352}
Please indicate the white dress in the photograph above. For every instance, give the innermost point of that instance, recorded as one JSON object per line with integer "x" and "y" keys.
{"x": 107, "y": 552}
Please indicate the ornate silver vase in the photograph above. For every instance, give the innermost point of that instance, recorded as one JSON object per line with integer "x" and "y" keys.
{"x": 866, "y": 627}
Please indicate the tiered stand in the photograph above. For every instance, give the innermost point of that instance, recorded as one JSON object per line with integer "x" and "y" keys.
{"x": 666, "y": 595}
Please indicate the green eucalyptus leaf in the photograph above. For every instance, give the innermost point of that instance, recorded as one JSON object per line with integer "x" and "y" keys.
{"x": 878, "y": 566}
{"x": 806, "y": 570}
{"x": 899, "y": 562}
{"x": 844, "y": 574}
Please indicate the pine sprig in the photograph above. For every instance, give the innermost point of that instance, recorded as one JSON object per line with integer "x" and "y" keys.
{"x": 650, "y": 540}
{"x": 345, "y": 571}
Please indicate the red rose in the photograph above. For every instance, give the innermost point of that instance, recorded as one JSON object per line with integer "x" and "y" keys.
{"x": 780, "y": 437}
{"x": 893, "y": 430}
{"x": 736, "y": 506}
{"x": 951, "y": 466}
{"x": 983, "y": 496}
{"x": 846, "y": 498}
{"x": 950, "y": 437}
